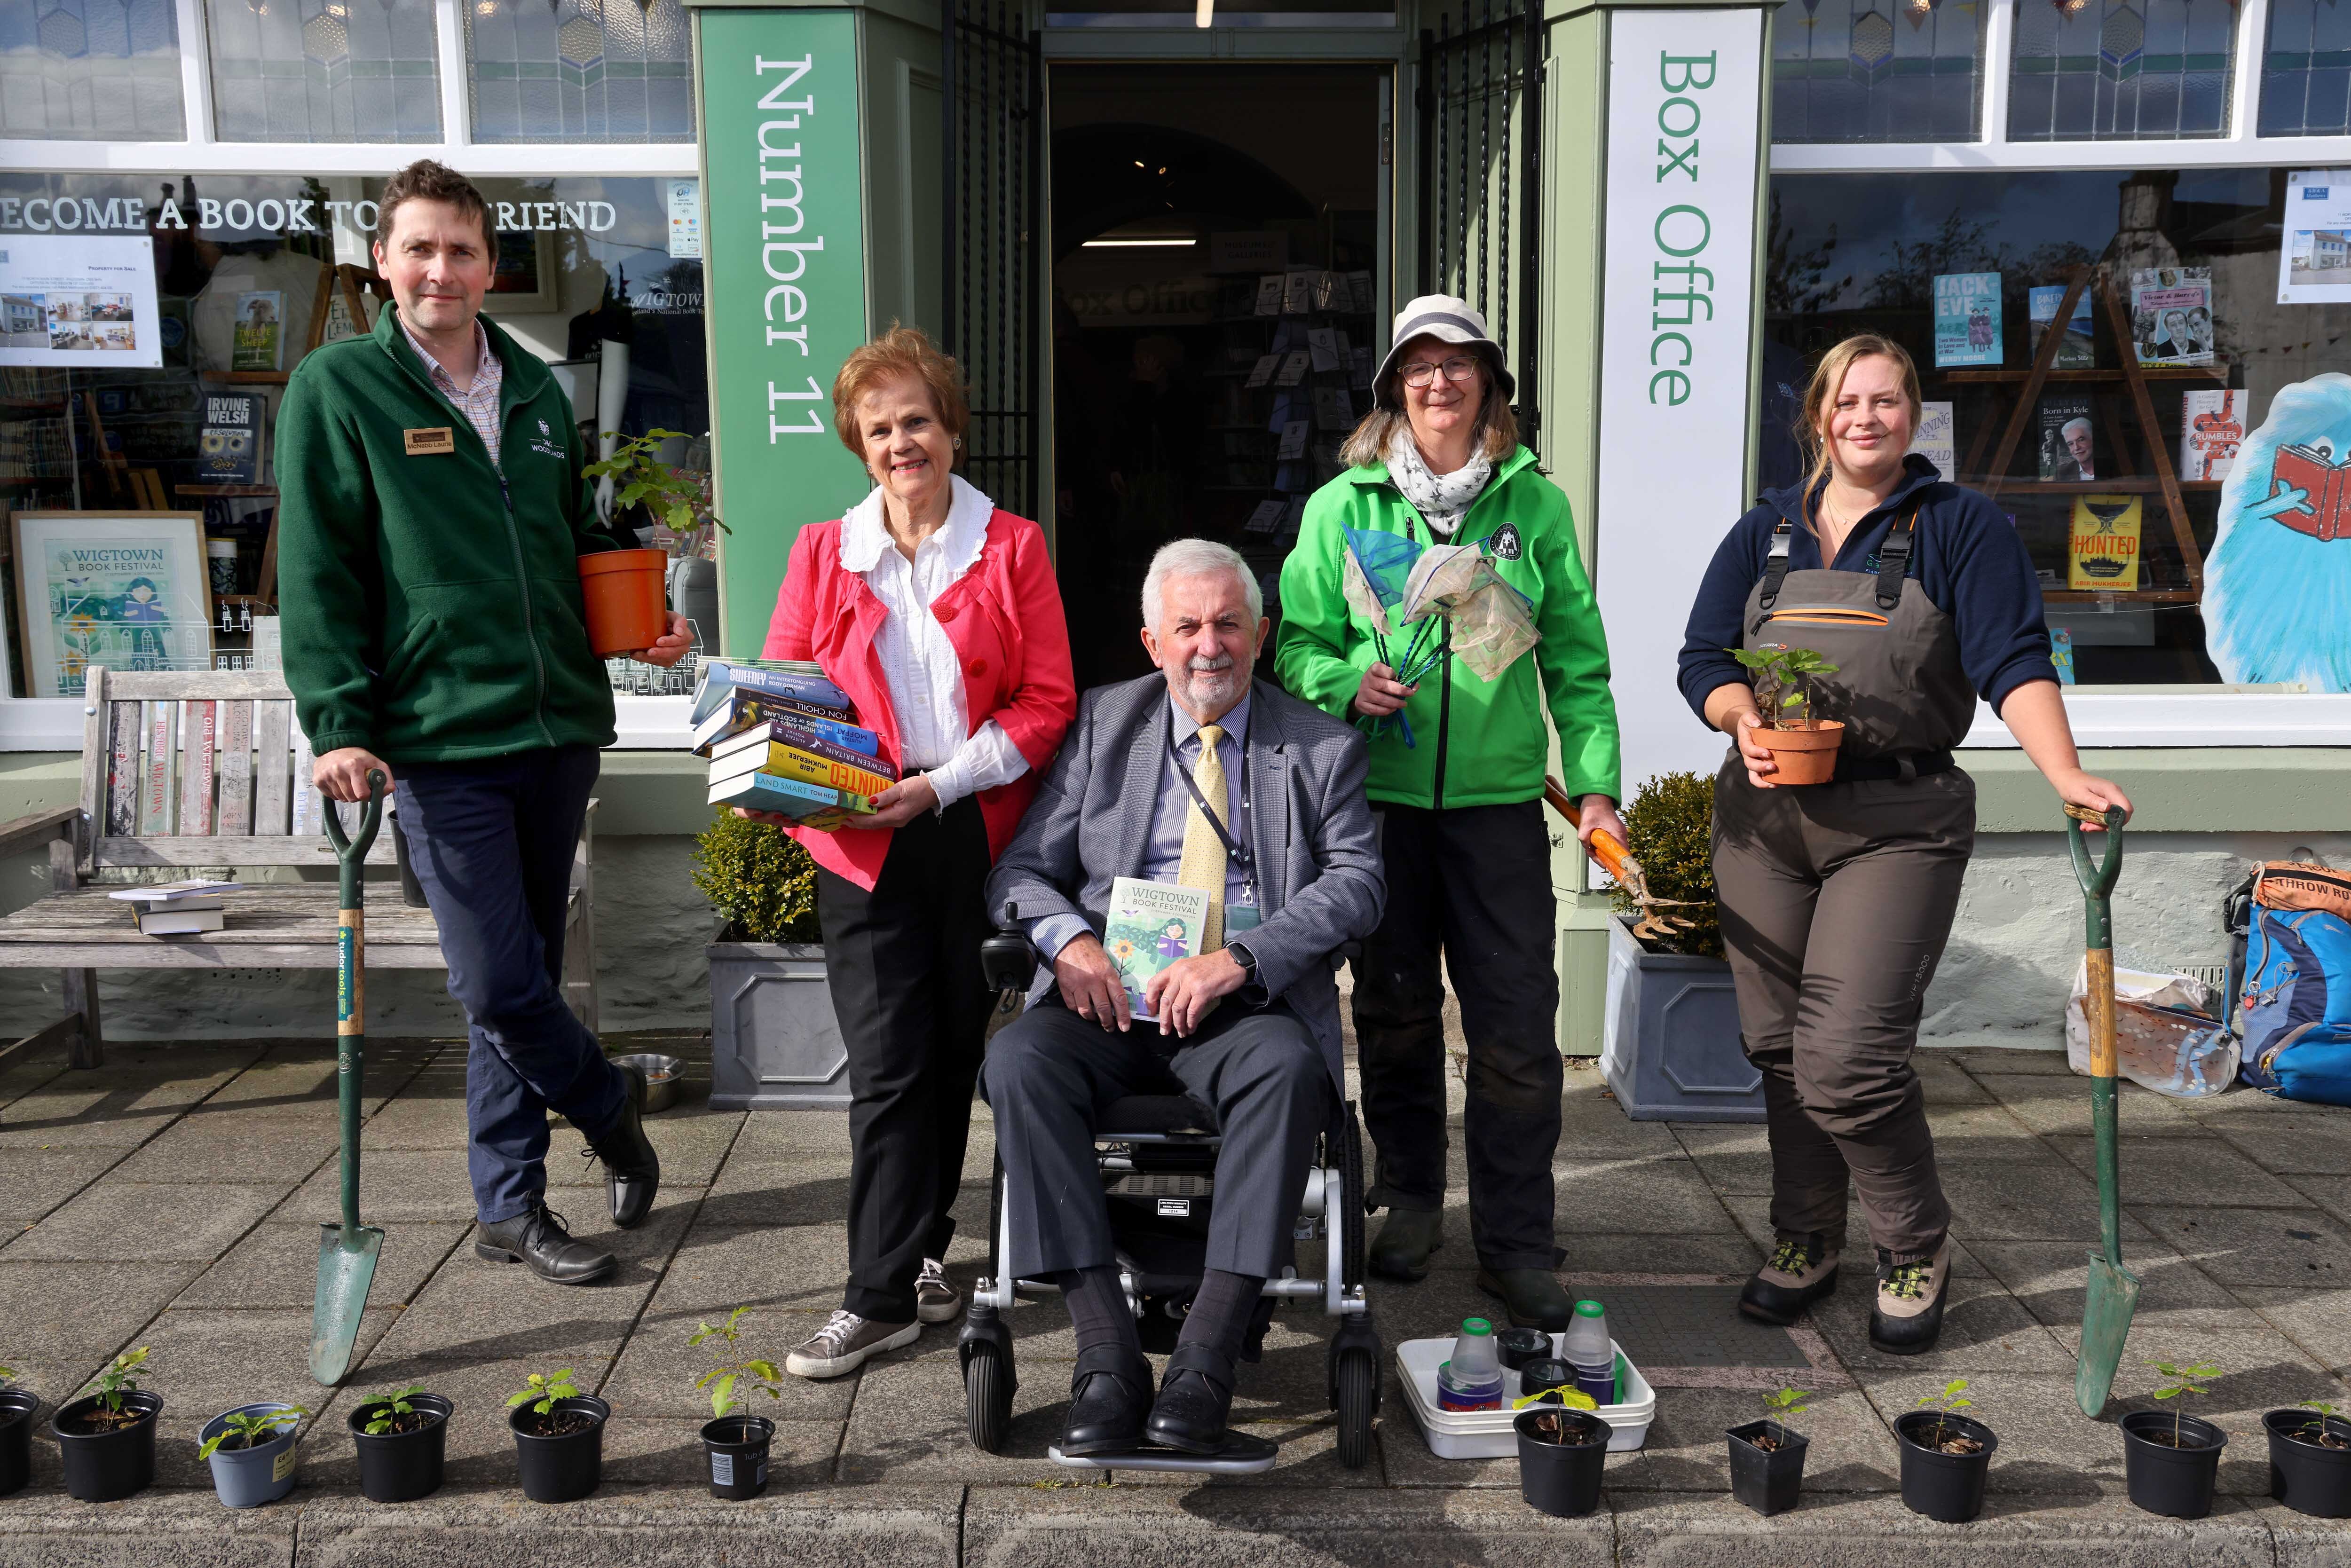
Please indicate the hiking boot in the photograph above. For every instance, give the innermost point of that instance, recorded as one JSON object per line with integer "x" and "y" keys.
{"x": 1909, "y": 1316}
{"x": 1799, "y": 1273}
{"x": 539, "y": 1237}
{"x": 1406, "y": 1237}
{"x": 936, "y": 1300}
{"x": 1533, "y": 1297}
{"x": 845, "y": 1343}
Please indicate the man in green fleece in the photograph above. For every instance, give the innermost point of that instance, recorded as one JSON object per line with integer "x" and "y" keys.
{"x": 431, "y": 513}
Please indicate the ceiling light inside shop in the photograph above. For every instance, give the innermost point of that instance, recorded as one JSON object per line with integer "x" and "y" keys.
{"x": 1204, "y": 14}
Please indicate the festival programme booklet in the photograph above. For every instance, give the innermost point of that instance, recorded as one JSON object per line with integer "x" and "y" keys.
{"x": 1150, "y": 926}
{"x": 1967, "y": 318}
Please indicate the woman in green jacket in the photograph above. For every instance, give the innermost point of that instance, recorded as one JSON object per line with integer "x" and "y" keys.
{"x": 1437, "y": 461}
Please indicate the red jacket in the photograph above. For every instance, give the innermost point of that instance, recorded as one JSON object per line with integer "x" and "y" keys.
{"x": 1003, "y": 617}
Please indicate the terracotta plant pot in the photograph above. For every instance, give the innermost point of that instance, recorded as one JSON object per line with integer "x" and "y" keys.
{"x": 625, "y": 593}
{"x": 1806, "y": 756}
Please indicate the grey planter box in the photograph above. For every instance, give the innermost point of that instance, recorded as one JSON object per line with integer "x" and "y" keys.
{"x": 1671, "y": 1049}
{"x": 775, "y": 1044}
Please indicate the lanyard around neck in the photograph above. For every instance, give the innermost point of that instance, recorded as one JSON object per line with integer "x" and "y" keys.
{"x": 1234, "y": 850}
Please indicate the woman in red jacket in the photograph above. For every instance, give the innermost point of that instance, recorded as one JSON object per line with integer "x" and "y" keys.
{"x": 937, "y": 614}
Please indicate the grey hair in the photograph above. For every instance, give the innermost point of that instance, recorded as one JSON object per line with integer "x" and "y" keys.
{"x": 1196, "y": 558}
{"x": 2067, "y": 428}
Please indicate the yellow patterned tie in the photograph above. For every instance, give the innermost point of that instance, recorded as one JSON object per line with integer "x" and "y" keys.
{"x": 1203, "y": 865}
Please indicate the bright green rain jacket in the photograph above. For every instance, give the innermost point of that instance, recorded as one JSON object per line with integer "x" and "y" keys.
{"x": 1476, "y": 743}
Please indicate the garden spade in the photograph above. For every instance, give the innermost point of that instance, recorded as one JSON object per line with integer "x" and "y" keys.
{"x": 2114, "y": 1290}
{"x": 1618, "y": 862}
{"x": 347, "y": 1251}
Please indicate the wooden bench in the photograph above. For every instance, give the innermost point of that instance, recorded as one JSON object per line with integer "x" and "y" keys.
{"x": 189, "y": 772}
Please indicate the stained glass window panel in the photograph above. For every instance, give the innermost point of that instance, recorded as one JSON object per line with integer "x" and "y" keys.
{"x": 2097, "y": 70}
{"x": 90, "y": 70}
{"x": 581, "y": 70}
{"x": 2306, "y": 69}
{"x": 324, "y": 70}
{"x": 1876, "y": 70}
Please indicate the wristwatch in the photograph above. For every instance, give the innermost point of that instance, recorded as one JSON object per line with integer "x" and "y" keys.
{"x": 1246, "y": 959}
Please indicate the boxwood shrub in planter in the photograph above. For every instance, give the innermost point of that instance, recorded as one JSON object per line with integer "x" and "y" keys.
{"x": 2310, "y": 1459}
{"x": 1670, "y": 1045}
{"x": 106, "y": 1440}
{"x": 774, "y": 1041}
{"x": 18, "y": 1408}
{"x": 402, "y": 1438}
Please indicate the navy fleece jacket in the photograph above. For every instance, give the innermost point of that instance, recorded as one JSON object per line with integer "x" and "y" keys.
{"x": 1968, "y": 558}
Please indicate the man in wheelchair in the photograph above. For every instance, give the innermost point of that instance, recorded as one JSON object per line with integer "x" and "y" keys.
{"x": 1200, "y": 776}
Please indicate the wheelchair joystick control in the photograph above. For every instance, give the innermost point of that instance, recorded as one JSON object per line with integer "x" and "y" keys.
{"x": 1007, "y": 960}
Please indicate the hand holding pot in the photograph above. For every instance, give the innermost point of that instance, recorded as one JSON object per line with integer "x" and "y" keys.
{"x": 669, "y": 646}
{"x": 1751, "y": 751}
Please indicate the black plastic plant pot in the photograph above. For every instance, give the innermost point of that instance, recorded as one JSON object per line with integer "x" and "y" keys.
{"x": 2175, "y": 1480}
{"x": 2308, "y": 1477}
{"x": 109, "y": 1465}
{"x": 1561, "y": 1479}
{"x": 1767, "y": 1479}
{"x": 565, "y": 1468}
{"x": 736, "y": 1447}
{"x": 1942, "y": 1486}
{"x": 18, "y": 1407}
{"x": 400, "y": 1467}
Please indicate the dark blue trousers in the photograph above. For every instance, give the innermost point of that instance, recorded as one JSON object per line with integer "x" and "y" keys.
{"x": 492, "y": 842}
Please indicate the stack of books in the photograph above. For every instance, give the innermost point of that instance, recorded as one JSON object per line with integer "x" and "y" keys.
{"x": 780, "y": 738}
{"x": 178, "y": 908}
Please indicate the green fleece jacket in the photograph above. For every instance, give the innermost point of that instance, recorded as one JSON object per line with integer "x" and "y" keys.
{"x": 1476, "y": 743}
{"x": 430, "y": 605}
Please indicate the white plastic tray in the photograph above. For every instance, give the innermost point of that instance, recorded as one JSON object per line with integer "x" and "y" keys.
{"x": 1489, "y": 1434}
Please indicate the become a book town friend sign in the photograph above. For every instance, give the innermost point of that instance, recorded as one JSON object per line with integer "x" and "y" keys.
{"x": 786, "y": 252}
{"x": 1684, "y": 138}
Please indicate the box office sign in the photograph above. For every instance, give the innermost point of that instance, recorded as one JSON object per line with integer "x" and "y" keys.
{"x": 1677, "y": 310}
{"x": 783, "y": 243}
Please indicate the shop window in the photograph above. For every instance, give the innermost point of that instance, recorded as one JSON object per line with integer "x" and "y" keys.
{"x": 90, "y": 70}
{"x": 324, "y": 70}
{"x": 2201, "y": 348}
{"x": 137, "y": 396}
{"x": 580, "y": 71}
{"x": 1876, "y": 70}
{"x": 2306, "y": 69}
{"x": 2096, "y": 70}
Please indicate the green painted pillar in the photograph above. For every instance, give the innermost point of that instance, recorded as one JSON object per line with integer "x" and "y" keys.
{"x": 819, "y": 133}
{"x": 1656, "y": 153}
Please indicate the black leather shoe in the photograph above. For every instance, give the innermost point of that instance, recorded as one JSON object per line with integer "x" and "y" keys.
{"x": 1799, "y": 1273}
{"x": 631, "y": 1168}
{"x": 540, "y": 1239}
{"x": 1406, "y": 1237}
{"x": 1194, "y": 1400}
{"x": 1110, "y": 1395}
{"x": 1533, "y": 1297}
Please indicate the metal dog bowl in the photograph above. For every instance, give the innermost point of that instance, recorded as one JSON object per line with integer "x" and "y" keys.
{"x": 665, "y": 1076}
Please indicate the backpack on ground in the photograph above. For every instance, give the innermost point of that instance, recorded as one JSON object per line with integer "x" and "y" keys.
{"x": 2295, "y": 994}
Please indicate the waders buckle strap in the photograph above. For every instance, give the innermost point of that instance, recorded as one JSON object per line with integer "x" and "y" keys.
{"x": 1775, "y": 569}
{"x": 1894, "y": 560}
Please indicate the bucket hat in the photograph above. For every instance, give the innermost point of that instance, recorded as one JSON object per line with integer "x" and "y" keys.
{"x": 1449, "y": 319}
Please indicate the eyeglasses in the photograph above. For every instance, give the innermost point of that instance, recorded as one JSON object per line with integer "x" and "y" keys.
{"x": 1460, "y": 368}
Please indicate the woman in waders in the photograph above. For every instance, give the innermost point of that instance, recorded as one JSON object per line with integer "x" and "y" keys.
{"x": 1838, "y": 898}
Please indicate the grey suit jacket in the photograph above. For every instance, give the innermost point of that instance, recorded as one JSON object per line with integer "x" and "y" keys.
{"x": 1317, "y": 852}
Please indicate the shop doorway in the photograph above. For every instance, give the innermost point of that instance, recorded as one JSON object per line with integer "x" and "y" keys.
{"x": 1217, "y": 303}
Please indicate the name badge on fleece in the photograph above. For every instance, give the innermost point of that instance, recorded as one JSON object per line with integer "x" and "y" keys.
{"x": 429, "y": 443}
{"x": 1240, "y": 917}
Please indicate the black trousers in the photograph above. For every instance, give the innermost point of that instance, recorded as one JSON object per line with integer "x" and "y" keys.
{"x": 1469, "y": 887}
{"x": 903, "y": 961}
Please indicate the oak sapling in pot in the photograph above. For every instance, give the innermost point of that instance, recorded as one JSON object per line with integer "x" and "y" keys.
{"x": 2310, "y": 1459}
{"x": 1803, "y": 745}
{"x": 2316, "y": 1430}
{"x": 401, "y": 1436}
{"x": 1946, "y": 1439}
{"x": 395, "y": 1412}
{"x": 17, "y": 1408}
{"x": 734, "y": 1440}
{"x": 2171, "y": 1462}
{"x": 1946, "y": 1456}
{"x": 1767, "y": 1456}
{"x": 558, "y": 1436}
{"x": 106, "y": 1437}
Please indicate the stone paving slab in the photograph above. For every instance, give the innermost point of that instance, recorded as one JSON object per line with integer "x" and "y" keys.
{"x": 172, "y": 1199}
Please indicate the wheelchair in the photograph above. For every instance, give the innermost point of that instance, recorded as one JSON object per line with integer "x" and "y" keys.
{"x": 1157, "y": 1164}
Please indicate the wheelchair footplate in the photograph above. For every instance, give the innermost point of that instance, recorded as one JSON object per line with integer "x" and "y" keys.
{"x": 1242, "y": 1455}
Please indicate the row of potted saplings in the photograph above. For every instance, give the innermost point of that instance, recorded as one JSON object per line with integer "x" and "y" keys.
{"x": 106, "y": 1439}
{"x": 2171, "y": 1460}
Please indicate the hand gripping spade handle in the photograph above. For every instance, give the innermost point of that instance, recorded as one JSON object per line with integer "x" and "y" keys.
{"x": 2113, "y": 1294}
{"x": 1618, "y": 862}
{"x": 347, "y": 1251}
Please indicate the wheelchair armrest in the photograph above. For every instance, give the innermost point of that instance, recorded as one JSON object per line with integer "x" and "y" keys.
{"x": 1008, "y": 959}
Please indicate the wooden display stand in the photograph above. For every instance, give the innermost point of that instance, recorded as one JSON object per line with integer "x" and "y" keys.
{"x": 2133, "y": 377}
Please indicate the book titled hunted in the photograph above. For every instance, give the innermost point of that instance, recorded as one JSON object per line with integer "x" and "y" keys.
{"x": 1148, "y": 926}
{"x": 228, "y": 446}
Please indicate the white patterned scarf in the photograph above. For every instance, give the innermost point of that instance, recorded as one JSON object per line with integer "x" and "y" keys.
{"x": 1442, "y": 498}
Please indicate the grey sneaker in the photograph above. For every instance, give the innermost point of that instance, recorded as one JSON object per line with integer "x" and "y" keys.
{"x": 936, "y": 1300}
{"x": 844, "y": 1344}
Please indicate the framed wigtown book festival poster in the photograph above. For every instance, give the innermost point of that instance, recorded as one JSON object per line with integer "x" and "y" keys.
{"x": 126, "y": 590}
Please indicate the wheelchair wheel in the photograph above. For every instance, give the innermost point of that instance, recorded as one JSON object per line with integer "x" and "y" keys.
{"x": 987, "y": 1397}
{"x": 1358, "y": 1382}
